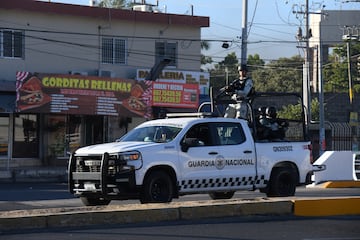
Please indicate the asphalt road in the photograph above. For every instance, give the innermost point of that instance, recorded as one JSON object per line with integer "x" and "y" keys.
{"x": 232, "y": 228}
{"x": 22, "y": 196}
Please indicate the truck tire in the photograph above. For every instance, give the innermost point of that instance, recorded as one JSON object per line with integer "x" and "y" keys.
{"x": 282, "y": 182}
{"x": 94, "y": 201}
{"x": 157, "y": 188}
{"x": 221, "y": 195}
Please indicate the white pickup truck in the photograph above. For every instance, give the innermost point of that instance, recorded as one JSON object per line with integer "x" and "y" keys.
{"x": 163, "y": 159}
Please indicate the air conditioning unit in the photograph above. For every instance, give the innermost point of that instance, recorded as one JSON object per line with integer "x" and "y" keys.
{"x": 142, "y": 8}
{"x": 106, "y": 73}
{"x": 76, "y": 72}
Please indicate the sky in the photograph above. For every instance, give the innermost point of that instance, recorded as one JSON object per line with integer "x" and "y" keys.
{"x": 272, "y": 25}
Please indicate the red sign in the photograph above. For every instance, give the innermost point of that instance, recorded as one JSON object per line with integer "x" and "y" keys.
{"x": 175, "y": 95}
{"x": 76, "y": 94}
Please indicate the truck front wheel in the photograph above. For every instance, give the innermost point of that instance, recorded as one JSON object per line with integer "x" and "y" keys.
{"x": 157, "y": 188}
{"x": 94, "y": 201}
{"x": 282, "y": 182}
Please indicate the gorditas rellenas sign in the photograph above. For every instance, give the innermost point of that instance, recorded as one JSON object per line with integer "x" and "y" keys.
{"x": 77, "y": 94}
{"x": 91, "y": 95}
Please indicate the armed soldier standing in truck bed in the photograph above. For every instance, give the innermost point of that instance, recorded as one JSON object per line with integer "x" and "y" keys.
{"x": 241, "y": 89}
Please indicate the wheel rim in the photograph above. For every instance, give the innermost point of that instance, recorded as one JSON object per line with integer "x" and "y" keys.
{"x": 285, "y": 184}
{"x": 159, "y": 191}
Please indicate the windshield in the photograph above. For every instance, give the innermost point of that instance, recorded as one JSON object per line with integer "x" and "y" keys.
{"x": 151, "y": 134}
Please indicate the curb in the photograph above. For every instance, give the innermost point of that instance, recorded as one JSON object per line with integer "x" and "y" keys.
{"x": 327, "y": 207}
{"x": 137, "y": 213}
{"x": 342, "y": 184}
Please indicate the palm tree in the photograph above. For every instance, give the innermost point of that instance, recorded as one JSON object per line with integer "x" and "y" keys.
{"x": 113, "y": 3}
{"x": 205, "y": 45}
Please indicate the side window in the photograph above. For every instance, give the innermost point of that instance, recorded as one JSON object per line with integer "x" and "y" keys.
{"x": 113, "y": 50}
{"x": 229, "y": 134}
{"x": 166, "y": 50}
{"x": 200, "y": 133}
{"x": 11, "y": 44}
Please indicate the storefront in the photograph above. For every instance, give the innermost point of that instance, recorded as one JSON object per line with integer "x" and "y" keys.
{"x": 55, "y": 114}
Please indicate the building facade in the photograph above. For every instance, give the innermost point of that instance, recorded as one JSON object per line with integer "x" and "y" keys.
{"x": 42, "y": 38}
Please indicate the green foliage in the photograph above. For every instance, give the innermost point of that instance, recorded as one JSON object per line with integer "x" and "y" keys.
{"x": 282, "y": 75}
{"x": 294, "y": 111}
{"x": 254, "y": 62}
{"x": 113, "y": 3}
{"x": 205, "y": 45}
{"x": 336, "y": 77}
{"x": 218, "y": 73}
{"x": 290, "y": 112}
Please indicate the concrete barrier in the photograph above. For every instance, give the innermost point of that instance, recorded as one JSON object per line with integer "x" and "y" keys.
{"x": 339, "y": 166}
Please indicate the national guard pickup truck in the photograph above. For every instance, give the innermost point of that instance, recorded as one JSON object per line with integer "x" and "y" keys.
{"x": 195, "y": 153}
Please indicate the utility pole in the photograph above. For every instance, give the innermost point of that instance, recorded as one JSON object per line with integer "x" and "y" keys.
{"x": 306, "y": 76}
{"x": 322, "y": 139}
{"x": 351, "y": 34}
{"x": 244, "y": 33}
{"x": 306, "y": 66}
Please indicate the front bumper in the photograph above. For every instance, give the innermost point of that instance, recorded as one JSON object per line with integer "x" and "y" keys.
{"x": 102, "y": 175}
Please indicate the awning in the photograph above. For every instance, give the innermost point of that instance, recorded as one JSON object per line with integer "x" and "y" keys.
{"x": 7, "y": 96}
{"x": 7, "y": 86}
{"x": 7, "y": 103}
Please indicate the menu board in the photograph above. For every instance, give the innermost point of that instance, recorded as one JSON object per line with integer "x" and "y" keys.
{"x": 77, "y": 94}
{"x": 175, "y": 95}
{"x": 201, "y": 79}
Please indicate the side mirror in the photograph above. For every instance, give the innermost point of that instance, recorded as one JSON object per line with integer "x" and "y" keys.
{"x": 188, "y": 143}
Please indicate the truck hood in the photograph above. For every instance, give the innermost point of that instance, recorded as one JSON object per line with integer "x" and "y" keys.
{"x": 113, "y": 147}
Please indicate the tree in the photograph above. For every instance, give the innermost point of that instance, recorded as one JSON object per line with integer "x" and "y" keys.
{"x": 113, "y": 3}
{"x": 294, "y": 111}
{"x": 254, "y": 62}
{"x": 218, "y": 73}
{"x": 336, "y": 69}
{"x": 205, "y": 45}
{"x": 282, "y": 75}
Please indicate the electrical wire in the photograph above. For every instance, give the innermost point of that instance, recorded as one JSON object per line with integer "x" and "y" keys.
{"x": 252, "y": 19}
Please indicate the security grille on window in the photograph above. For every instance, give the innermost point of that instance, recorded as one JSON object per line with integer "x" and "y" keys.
{"x": 12, "y": 44}
{"x": 166, "y": 50}
{"x": 113, "y": 51}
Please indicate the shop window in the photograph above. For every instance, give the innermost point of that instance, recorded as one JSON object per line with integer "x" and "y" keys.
{"x": 73, "y": 135}
{"x": 165, "y": 50}
{"x": 57, "y": 145}
{"x": 113, "y": 50}
{"x": 26, "y": 141}
{"x": 94, "y": 130}
{"x": 4, "y": 135}
{"x": 12, "y": 44}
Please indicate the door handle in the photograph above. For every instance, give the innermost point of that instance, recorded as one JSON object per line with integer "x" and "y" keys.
{"x": 213, "y": 153}
{"x": 247, "y": 151}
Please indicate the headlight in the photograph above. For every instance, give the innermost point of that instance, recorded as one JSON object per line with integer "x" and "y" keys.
{"x": 130, "y": 156}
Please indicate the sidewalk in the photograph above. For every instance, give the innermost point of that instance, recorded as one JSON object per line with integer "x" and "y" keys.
{"x": 34, "y": 174}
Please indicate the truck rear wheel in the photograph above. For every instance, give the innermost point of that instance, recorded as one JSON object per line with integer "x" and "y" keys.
{"x": 221, "y": 195}
{"x": 282, "y": 182}
{"x": 94, "y": 201}
{"x": 157, "y": 188}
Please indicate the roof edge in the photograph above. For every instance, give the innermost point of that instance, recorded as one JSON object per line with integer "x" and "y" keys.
{"x": 98, "y": 12}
